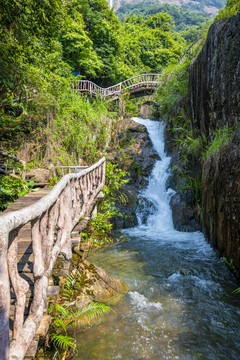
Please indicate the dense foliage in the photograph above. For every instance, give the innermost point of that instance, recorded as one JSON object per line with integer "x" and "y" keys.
{"x": 83, "y": 36}
{"x": 11, "y": 188}
{"x": 42, "y": 43}
{"x": 100, "y": 47}
{"x": 200, "y": 6}
{"x": 98, "y": 233}
{"x": 232, "y": 7}
{"x": 190, "y": 24}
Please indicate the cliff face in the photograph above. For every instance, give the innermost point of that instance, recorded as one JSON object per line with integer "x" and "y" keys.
{"x": 214, "y": 87}
{"x": 215, "y": 77}
{"x": 221, "y": 202}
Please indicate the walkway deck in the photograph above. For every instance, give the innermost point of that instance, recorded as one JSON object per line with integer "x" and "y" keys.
{"x": 25, "y": 251}
{"x": 33, "y": 232}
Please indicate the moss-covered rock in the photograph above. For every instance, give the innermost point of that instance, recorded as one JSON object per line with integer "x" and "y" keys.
{"x": 99, "y": 285}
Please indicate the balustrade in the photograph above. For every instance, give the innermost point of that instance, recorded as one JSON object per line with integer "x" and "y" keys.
{"x": 137, "y": 81}
{"x": 51, "y": 220}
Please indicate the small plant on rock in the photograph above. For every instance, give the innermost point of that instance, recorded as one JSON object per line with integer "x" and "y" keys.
{"x": 63, "y": 314}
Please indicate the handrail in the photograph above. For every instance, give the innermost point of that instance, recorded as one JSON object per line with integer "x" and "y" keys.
{"x": 190, "y": 50}
{"x": 12, "y": 157}
{"x": 69, "y": 168}
{"x": 51, "y": 219}
{"x": 15, "y": 160}
{"x": 132, "y": 83}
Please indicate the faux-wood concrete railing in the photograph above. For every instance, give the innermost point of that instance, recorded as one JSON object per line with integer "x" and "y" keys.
{"x": 135, "y": 82}
{"x": 51, "y": 219}
{"x": 4, "y": 167}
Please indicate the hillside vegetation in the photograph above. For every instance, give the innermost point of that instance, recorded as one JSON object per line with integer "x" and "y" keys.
{"x": 190, "y": 24}
{"x": 41, "y": 45}
{"x": 204, "y": 6}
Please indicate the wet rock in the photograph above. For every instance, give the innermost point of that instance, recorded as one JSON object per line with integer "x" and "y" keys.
{"x": 133, "y": 150}
{"x": 183, "y": 215}
{"x": 145, "y": 207}
{"x": 145, "y": 111}
{"x": 99, "y": 286}
{"x": 128, "y": 220}
{"x": 185, "y": 272}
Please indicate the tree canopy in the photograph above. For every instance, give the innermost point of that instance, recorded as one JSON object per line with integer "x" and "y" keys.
{"x": 83, "y": 36}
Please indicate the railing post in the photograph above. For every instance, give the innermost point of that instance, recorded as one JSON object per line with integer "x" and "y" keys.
{"x": 4, "y": 297}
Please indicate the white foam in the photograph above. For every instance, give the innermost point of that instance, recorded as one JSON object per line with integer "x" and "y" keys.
{"x": 142, "y": 303}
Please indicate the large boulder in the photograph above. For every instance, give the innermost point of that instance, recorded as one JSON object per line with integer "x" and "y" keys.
{"x": 184, "y": 217}
{"x": 99, "y": 285}
{"x": 39, "y": 175}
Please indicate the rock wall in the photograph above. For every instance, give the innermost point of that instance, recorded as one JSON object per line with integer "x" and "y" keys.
{"x": 221, "y": 202}
{"x": 215, "y": 78}
{"x": 214, "y": 89}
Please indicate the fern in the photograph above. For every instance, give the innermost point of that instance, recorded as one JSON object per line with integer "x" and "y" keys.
{"x": 60, "y": 323}
{"x": 63, "y": 312}
{"x": 62, "y": 316}
{"x": 87, "y": 314}
{"x": 93, "y": 310}
{"x": 71, "y": 282}
{"x": 67, "y": 294}
{"x": 63, "y": 341}
{"x": 71, "y": 286}
{"x": 236, "y": 291}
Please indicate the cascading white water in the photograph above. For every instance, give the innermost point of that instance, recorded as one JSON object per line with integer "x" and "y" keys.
{"x": 156, "y": 192}
{"x": 160, "y": 222}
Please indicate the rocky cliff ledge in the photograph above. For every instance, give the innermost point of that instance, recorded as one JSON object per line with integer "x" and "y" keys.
{"x": 214, "y": 85}
{"x": 133, "y": 150}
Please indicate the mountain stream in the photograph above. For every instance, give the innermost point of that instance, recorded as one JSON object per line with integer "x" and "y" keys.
{"x": 180, "y": 304}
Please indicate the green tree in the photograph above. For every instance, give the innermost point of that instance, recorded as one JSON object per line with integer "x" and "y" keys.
{"x": 161, "y": 21}
{"x": 77, "y": 46}
{"x": 27, "y": 32}
{"x": 232, "y": 7}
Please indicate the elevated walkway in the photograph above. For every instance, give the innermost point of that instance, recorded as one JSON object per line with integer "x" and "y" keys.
{"x": 33, "y": 232}
{"x": 144, "y": 84}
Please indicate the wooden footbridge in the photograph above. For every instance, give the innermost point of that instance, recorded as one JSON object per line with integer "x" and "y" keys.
{"x": 33, "y": 233}
{"x": 136, "y": 86}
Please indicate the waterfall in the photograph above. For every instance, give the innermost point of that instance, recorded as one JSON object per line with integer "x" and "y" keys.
{"x": 161, "y": 220}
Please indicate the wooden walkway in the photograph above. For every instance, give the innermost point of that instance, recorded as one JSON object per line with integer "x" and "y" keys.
{"x": 25, "y": 251}
{"x": 25, "y": 259}
{"x": 137, "y": 86}
{"x": 33, "y": 232}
